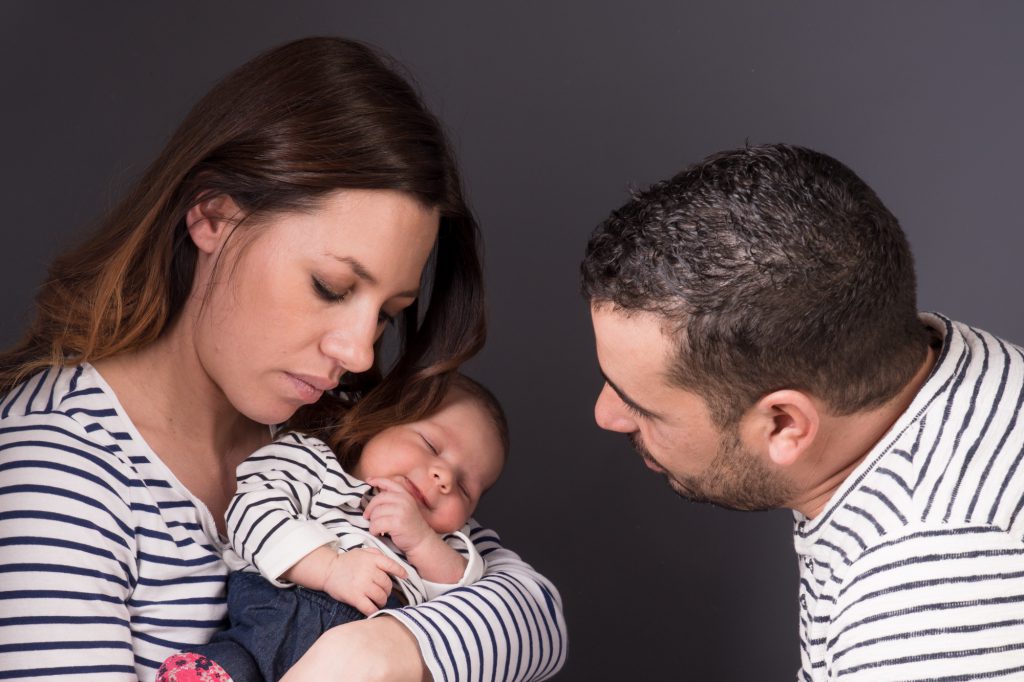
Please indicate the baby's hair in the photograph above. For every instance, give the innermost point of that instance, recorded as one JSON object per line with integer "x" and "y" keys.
{"x": 349, "y": 452}
{"x": 487, "y": 399}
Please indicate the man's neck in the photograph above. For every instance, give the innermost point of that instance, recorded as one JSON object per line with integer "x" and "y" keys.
{"x": 845, "y": 441}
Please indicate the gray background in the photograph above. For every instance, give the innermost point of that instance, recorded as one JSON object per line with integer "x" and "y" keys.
{"x": 556, "y": 109}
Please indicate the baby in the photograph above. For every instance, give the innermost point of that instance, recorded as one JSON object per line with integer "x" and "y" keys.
{"x": 394, "y": 529}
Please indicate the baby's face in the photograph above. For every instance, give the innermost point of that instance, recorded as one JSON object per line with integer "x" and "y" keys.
{"x": 445, "y": 461}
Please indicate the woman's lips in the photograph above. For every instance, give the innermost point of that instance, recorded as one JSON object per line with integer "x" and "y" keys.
{"x": 309, "y": 388}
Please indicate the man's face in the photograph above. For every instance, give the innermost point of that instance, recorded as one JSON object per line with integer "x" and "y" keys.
{"x": 672, "y": 428}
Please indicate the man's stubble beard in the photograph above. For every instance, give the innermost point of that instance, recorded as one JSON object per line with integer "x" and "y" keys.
{"x": 736, "y": 478}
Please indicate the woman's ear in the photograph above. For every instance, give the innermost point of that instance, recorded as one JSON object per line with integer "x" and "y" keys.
{"x": 787, "y": 422}
{"x": 210, "y": 221}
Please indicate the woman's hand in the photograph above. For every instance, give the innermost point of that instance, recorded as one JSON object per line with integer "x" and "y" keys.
{"x": 375, "y": 650}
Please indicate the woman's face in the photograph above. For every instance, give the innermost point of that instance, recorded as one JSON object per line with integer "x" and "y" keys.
{"x": 302, "y": 300}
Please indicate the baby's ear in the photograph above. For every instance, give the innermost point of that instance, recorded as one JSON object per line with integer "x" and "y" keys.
{"x": 784, "y": 423}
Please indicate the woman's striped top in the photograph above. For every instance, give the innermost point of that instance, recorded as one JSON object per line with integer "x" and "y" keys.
{"x": 108, "y": 564}
{"x": 915, "y": 568}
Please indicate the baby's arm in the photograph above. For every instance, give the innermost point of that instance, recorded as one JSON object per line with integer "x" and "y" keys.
{"x": 395, "y": 512}
{"x": 360, "y": 577}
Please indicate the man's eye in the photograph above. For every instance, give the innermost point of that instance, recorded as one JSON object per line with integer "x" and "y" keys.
{"x": 636, "y": 412}
{"x": 327, "y": 293}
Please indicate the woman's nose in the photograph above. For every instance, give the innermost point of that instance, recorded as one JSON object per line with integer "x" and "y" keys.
{"x": 351, "y": 344}
{"x": 610, "y": 412}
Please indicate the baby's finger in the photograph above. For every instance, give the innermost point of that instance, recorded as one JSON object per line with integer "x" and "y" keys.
{"x": 379, "y": 594}
{"x": 365, "y": 606}
{"x": 386, "y": 485}
{"x": 391, "y": 567}
{"x": 374, "y": 505}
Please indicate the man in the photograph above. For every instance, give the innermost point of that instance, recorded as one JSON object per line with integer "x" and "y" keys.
{"x": 756, "y": 325}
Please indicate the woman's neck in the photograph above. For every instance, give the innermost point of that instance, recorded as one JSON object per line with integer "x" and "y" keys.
{"x": 184, "y": 416}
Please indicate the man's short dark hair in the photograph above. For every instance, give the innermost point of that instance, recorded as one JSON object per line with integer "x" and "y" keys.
{"x": 774, "y": 267}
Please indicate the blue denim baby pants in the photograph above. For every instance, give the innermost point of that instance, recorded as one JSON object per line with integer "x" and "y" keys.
{"x": 271, "y": 628}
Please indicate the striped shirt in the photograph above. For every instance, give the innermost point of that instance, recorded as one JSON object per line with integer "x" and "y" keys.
{"x": 915, "y": 568}
{"x": 108, "y": 564}
{"x": 293, "y": 497}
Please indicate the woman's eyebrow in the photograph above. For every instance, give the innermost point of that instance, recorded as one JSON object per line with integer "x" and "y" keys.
{"x": 362, "y": 273}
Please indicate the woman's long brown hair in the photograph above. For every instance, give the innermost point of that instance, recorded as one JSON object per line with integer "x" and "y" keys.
{"x": 286, "y": 128}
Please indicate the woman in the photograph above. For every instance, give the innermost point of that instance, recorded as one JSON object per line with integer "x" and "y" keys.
{"x": 256, "y": 263}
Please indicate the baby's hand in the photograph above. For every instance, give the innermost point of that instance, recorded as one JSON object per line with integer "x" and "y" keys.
{"x": 362, "y": 579}
{"x": 396, "y": 512}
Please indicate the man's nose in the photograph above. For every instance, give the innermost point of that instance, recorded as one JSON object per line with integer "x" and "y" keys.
{"x": 610, "y": 412}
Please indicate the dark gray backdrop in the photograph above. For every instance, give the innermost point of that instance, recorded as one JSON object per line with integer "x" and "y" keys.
{"x": 556, "y": 109}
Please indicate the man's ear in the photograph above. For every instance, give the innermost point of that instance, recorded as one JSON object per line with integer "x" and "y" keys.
{"x": 787, "y": 423}
{"x": 210, "y": 221}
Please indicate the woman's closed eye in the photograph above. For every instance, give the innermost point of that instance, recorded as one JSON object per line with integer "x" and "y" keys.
{"x": 328, "y": 293}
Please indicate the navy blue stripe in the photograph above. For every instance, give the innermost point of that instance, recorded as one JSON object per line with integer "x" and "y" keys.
{"x": 969, "y": 677}
{"x": 53, "y": 387}
{"x": 185, "y": 580}
{"x": 175, "y": 561}
{"x": 268, "y": 458}
{"x": 70, "y": 644}
{"x": 13, "y": 398}
{"x": 964, "y": 423}
{"x": 957, "y": 378}
{"x": 52, "y": 619}
{"x": 63, "y": 569}
{"x": 887, "y": 502}
{"x": 969, "y": 455}
{"x": 23, "y": 541}
{"x": 43, "y": 376}
{"x": 1011, "y": 473}
{"x": 59, "y": 594}
{"x": 67, "y": 494}
{"x": 435, "y": 607}
{"x": 455, "y": 595}
{"x": 60, "y": 466}
{"x": 74, "y": 381}
{"x": 924, "y": 608}
{"x": 65, "y": 519}
{"x": 958, "y": 629}
{"x": 66, "y": 670}
{"x": 934, "y": 656}
{"x": 508, "y": 586}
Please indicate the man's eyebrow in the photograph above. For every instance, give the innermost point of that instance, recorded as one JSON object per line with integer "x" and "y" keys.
{"x": 626, "y": 399}
{"x": 362, "y": 273}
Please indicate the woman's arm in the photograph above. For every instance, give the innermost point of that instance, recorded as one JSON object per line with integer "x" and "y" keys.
{"x": 67, "y": 554}
{"x": 374, "y": 650}
{"x": 507, "y": 627}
